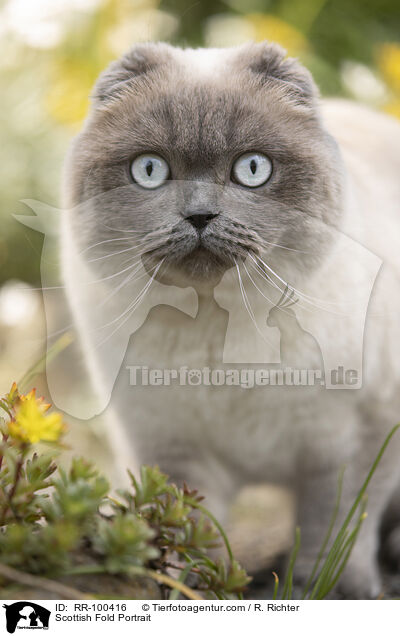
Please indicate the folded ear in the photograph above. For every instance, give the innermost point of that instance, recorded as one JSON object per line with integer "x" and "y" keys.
{"x": 140, "y": 60}
{"x": 269, "y": 62}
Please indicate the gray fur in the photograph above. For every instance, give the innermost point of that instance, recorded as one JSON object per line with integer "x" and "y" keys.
{"x": 152, "y": 100}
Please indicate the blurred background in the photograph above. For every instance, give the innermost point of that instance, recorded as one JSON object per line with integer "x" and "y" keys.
{"x": 51, "y": 54}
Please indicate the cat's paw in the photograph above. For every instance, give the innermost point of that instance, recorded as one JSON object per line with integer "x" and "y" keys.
{"x": 357, "y": 584}
{"x": 358, "y": 581}
{"x": 391, "y": 549}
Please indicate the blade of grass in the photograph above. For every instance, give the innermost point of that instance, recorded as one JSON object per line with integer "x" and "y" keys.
{"x": 336, "y": 551}
{"x": 200, "y": 556}
{"x": 276, "y": 586}
{"x": 328, "y": 534}
{"x": 40, "y": 366}
{"x": 182, "y": 578}
{"x": 345, "y": 554}
{"x": 329, "y": 565}
{"x": 370, "y": 475}
{"x": 288, "y": 582}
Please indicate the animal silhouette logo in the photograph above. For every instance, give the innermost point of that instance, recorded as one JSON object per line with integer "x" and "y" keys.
{"x": 283, "y": 316}
{"x": 111, "y": 276}
{"x": 26, "y": 615}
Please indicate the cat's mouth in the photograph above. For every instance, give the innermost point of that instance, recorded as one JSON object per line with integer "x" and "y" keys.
{"x": 203, "y": 256}
{"x": 198, "y": 264}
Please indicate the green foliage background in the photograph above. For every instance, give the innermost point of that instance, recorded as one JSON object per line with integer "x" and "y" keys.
{"x": 52, "y": 51}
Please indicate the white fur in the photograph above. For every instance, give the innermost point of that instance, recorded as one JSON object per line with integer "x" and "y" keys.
{"x": 225, "y": 438}
{"x": 203, "y": 62}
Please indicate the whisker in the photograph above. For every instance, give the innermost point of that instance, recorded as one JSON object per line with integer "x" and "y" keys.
{"x": 264, "y": 274}
{"x": 116, "y": 229}
{"x": 146, "y": 246}
{"x": 281, "y": 307}
{"x": 248, "y": 307}
{"x": 256, "y": 286}
{"x": 273, "y": 273}
{"x": 111, "y": 276}
{"x": 135, "y": 304}
{"x": 283, "y": 247}
{"x": 132, "y": 304}
{"x": 135, "y": 246}
{"x": 305, "y": 297}
{"x": 112, "y": 240}
{"x": 129, "y": 278}
{"x": 149, "y": 234}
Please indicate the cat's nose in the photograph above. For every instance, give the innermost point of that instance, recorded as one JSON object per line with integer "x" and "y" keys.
{"x": 199, "y": 220}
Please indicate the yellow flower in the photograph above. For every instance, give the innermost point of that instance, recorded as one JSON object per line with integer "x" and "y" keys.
{"x": 389, "y": 64}
{"x": 32, "y": 424}
{"x": 270, "y": 27}
{"x": 393, "y": 108}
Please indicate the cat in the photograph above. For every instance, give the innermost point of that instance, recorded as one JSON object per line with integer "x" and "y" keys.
{"x": 196, "y": 162}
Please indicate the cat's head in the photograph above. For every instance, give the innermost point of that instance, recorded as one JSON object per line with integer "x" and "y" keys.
{"x": 200, "y": 158}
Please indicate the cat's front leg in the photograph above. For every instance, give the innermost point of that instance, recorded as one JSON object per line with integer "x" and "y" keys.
{"x": 361, "y": 578}
{"x": 200, "y": 471}
{"x": 316, "y": 502}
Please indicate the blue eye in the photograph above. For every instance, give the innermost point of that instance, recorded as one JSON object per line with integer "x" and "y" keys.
{"x": 252, "y": 169}
{"x": 149, "y": 171}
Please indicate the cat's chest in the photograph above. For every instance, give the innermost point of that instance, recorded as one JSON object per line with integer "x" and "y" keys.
{"x": 174, "y": 390}
{"x": 170, "y": 339}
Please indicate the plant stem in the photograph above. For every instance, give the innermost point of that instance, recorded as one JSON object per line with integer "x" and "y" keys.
{"x": 217, "y": 524}
{"x": 17, "y": 476}
{"x": 164, "y": 579}
{"x": 30, "y": 580}
{"x": 178, "y": 585}
{"x": 5, "y": 438}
